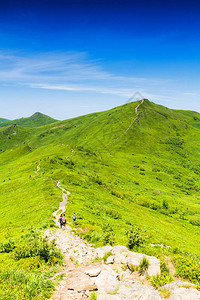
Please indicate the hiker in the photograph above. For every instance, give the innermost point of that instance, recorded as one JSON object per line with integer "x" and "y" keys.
{"x": 60, "y": 220}
{"x": 74, "y": 217}
{"x": 64, "y": 220}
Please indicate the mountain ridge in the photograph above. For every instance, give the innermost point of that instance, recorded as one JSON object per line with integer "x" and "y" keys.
{"x": 36, "y": 120}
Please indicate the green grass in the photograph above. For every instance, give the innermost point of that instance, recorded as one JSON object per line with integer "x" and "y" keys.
{"x": 148, "y": 178}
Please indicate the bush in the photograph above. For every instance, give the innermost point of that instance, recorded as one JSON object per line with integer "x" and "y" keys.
{"x": 187, "y": 268}
{"x": 108, "y": 237}
{"x": 143, "y": 266}
{"x": 113, "y": 213}
{"x": 160, "y": 280}
{"x": 38, "y": 246}
{"x": 136, "y": 237}
{"x": 195, "y": 221}
{"x": 7, "y": 246}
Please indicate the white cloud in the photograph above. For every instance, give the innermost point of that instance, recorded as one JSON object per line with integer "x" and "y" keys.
{"x": 67, "y": 72}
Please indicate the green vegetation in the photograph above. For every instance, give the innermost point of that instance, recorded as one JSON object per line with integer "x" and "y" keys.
{"x": 35, "y": 120}
{"x": 145, "y": 183}
{"x": 143, "y": 266}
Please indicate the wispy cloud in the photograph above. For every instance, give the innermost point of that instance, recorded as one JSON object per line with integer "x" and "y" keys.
{"x": 69, "y": 71}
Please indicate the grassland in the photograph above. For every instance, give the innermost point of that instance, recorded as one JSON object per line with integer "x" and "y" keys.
{"x": 149, "y": 177}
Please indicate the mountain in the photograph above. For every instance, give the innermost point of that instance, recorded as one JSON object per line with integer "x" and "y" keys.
{"x": 134, "y": 165}
{"x": 36, "y": 120}
{"x": 2, "y": 120}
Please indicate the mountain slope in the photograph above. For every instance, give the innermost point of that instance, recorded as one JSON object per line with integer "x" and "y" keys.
{"x": 123, "y": 167}
{"x": 36, "y": 120}
{"x": 2, "y": 120}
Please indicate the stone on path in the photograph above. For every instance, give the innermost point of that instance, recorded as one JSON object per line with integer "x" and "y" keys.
{"x": 100, "y": 252}
{"x": 93, "y": 272}
{"x": 107, "y": 280}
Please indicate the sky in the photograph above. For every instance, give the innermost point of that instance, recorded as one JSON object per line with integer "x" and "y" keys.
{"x": 67, "y": 58}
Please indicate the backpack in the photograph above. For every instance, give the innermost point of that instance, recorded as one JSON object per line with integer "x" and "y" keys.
{"x": 63, "y": 220}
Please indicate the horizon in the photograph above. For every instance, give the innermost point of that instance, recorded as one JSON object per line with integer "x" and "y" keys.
{"x": 70, "y": 58}
{"x": 43, "y": 113}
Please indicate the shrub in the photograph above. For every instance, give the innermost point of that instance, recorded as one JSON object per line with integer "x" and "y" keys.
{"x": 195, "y": 221}
{"x": 165, "y": 204}
{"x": 38, "y": 246}
{"x": 187, "y": 268}
{"x": 143, "y": 266}
{"x": 136, "y": 237}
{"x": 113, "y": 213}
{"x": 160, "y": 280}
{"x": 108, "y": 236}
{"x": 7, "y": 246}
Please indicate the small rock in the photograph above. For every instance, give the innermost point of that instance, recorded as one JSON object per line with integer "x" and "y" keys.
{"x": 93, "y": 272}
{"x": 110, "y": 260}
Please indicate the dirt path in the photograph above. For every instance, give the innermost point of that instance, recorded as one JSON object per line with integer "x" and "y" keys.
{"x": 77, "y": 253}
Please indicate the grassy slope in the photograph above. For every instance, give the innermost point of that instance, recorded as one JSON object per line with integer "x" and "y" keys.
{"x": 36, "y": 120}
{"x": 149, "y": 177}
{"x": 3, "y": 120}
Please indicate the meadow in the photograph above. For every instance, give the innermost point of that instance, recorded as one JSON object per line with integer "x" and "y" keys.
{"x": 148, "y": 179}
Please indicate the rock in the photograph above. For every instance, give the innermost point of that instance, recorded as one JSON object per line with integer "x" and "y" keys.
{"x": 110, "y": 260}
{"x": 107, "y": 280}
{"x": 176, "y": 284}
{"x": 184, "y": 294}
{"x": 91, "y": 287}
{"x": 119, "y": 249}
{"x": 100, "y": 252}
{"x": 133, "y": 291}
{"x": 137, "y": 291}
{"x": 93, "y": 272}
{"x": 78, "y": 281}
{"x": 182, "y": 290}
{"x": 105, "y": 296}
{"x": 135, "y": 259}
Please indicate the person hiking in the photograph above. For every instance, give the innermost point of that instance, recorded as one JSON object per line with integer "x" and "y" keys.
{"x": 64, "y": 220}
{"x": 60, "y": 221}
{"x": 74, "y": 217}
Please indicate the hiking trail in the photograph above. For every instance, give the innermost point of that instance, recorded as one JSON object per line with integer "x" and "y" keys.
{"x": 86, "y": 273}
{"x": 132, "y": 122}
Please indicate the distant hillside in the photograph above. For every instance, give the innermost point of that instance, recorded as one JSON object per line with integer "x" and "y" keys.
{"x": 2, "y": 120}
{"x": 36, "y": 120}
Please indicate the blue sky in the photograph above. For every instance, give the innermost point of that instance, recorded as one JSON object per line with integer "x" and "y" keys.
{"x": 67, "y": 58}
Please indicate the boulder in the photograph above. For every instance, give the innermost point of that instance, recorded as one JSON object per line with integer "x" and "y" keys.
{"x": 119, "y": 249}
{"x": 154, "y": 263}
{"x": 131, "y": 292}
{"x": 78, "y": 281}
{"x": 182, "y": 293}
{"x": 107, "y": 280}
{"x": 100, "y": 252}
{"x": 182, "y": 290}
{"x": 137, "y": 291}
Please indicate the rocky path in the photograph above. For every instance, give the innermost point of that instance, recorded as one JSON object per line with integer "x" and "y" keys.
{"x": 86, "y": 273}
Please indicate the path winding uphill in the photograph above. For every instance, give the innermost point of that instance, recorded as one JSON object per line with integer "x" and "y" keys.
{"x": 109, "y": 280}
